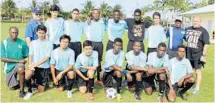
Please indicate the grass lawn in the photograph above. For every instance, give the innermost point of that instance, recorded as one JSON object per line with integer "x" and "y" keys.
{"x": 206, "y": 92}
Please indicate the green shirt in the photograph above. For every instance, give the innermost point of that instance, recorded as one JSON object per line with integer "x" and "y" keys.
{"x": 17, "y": 50}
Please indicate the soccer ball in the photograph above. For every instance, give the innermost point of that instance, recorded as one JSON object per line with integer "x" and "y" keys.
{"x": 111, "y": 93}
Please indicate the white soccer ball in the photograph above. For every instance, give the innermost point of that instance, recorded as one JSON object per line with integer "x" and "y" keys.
{"x": 111, "y": 93}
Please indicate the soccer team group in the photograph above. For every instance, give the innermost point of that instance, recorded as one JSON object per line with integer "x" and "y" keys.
{"x": 54, "y": 50}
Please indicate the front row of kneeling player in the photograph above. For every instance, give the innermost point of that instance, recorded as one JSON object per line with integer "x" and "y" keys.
{"x": 141, "y": 71}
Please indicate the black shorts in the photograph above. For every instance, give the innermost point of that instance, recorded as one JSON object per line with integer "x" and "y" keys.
{"x": 42, "y": 75}
{"x": 107, "y": 79}
{"x": 110, "y": 45}
{"x": 196, "y": 64}
{"x": 63, "y": 81}
{"x": 98, "y": 46}
{"x": 150, "y": 50}
{"x": 148, "y": 81}
{"x": 130, "y": 46}
{"x": 55, "y": 46}
{"x": 194, "y": 57}
{"x": 81, "y": 81}
{"x": 76, "y": 46}
{"x": 132, "y": 83}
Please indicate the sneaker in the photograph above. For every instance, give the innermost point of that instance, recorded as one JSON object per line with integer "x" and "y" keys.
{"x": 22, "y": 94}
{"x": 69, "y": 94}
{"x": 183, "y": 97}
{"x": 195, "y": 91}
{"x": 160, "y": 99}
{"x": 28, "y": 95}
{"x": 99, "y": 82}
{"x": 119, "y": 97}
{"x": 90, "y": 96}
{"x": 137, "y": 96}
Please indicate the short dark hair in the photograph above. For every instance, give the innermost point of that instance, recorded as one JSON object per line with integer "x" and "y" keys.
{"x": 54, "y": 8}
{"x": 157, "y": 14}
{"x": 178, "y": 20}
{"x": 65, "y": 37}
{"x": 161, "y": 45}
{"x": 118, "y": 40}
{"x": 41, "y": 27}
{"x": 182, "y": 46}
{"x": 116, "y": 10}
{"x": 137, "y": 11}
{"x": 75, "y": 9}
{"x": 14, "y": 27}
{"x": 87, "y": 43}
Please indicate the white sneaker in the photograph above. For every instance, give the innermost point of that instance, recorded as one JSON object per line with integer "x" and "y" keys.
{"x": 195, "y": 91}
{"x": 28, "y": 95}
{"x": 69, "y": 94}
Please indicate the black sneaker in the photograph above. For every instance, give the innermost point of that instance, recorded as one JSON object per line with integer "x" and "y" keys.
{"x": 183, "y": 97}
{"x": 137, "y": 96}
{"x": 21, "y": 94}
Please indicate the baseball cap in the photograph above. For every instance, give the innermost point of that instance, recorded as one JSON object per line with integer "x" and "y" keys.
{"x": 36, "y": 10}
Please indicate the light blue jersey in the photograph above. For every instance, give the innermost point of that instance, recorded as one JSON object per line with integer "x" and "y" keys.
{"x": 115, "y": 30}
{"x": 178, "y": 69}
{"x": 155, "y": 35}
{"x": 55, "y": 29}
{"x": 39, "y": 50}
{"x": 95, "y": 31}
{"x": 136, "y": 60}
{"x": 84, "y": 60}
{"x": 62, "y": 58}
{"x": 158, "y": 62}
{"x": 113, "y": 59}
{"x": 74, "y": 29}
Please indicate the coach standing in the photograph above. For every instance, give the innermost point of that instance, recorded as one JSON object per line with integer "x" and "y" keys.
{"x": 197, "y": 39}
{"x": 136, "y": 29}
{"x": 30, "y": 32}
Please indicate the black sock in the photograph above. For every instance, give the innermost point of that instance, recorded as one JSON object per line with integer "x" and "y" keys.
{"x": 98, "y": 73}
{"x": 138, "y": 87}
{"x": 187, "y": 87}
{"x": 161, "y": 87}
{"x": 119, "y": 84}
{"x": 29, "y": 85}
{"x": 91, "y": 85}
{"x": 71, "y": 81}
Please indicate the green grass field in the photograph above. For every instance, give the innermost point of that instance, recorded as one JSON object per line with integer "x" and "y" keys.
{"x": 51, "y": 95}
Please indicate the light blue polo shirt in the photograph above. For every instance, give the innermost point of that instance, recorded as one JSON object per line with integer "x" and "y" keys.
{"x": 95, "y": 31}
{"x": 55, "y": 29}
{"x": 39, "y": 50}
{"x": 158, "y": 62}
{"x": 30, "y": 30}
{"x": 155, "y": 35}
{"x": 84, "y": 60}
{"x": 116, "y": 30}
{"x": 178, "y": 69}
{"x": 62, "y": 58}
{"x": 136, "y": 60}
{"x": 74, "y": 29}
{"x": 113, "y": 59}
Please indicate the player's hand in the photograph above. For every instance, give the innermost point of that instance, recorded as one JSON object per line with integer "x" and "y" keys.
{"x": 151, "y": 71}
{"x": 59, "y": 76}
{"x": 22, "y": 61}
{"x": 32, "y": 67}
{"x": 55, "y": 81}
{"x": 86, "y": 79}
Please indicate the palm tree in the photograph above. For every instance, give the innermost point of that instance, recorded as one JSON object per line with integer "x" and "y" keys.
{"x": 9, "y": 9}
{"x": 88, "y": 7}
{"x": 117, "y": 7}
{"x": 105, "y": 10}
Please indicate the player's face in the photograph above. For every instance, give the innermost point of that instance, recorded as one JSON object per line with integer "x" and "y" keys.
{"x": 137, "y": 16}
{"x": 181, "y": 52}
{"x": 54, "y": 13}
{"x": 36, "y": 16}
{"x": 88, "y": 50}
{"x": 116, "y": 16}
{"x": 161, "y": 51}
{"x": 41, "y": 34}
{"x": 156, "y": 19}
{"x": 64, "y": 43}
{"x": 75, "y": 15}
{"x": 196, "y": 22}
{"x": 96, "y": 14}
{"x": 137, "y": 47}
{"x": 117, "y": 46}
{"x": 178, "y": 24}
{"x": 13, "y": 33}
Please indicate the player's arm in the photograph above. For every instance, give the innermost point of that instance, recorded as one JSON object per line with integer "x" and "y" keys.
{"x": 80, "y": 74}
{"x": 89, "y": 68}
{"x": 28, "y": 41}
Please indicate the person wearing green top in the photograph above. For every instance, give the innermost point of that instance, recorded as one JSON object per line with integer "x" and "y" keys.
{"x": 14, "y": 52}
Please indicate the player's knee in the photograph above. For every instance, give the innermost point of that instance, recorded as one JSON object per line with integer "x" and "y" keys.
{"x": 148, "y": 91}
{"x": 162, "y": 76}
{"x": 191, "y": 80}
{"x": 90, "y": 73}
{"x": 171, "y": 98}
{"x": 60, "y": 89}
{"x": 70, "y": 74}
{"x": 20, "y": 70}
{"x": 83, "y": 90}
{"x": 28, "y": 74}
{"x": 118, "y": 74}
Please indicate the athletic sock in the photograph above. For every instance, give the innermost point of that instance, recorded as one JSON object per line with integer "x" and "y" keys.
{"x": 138, "y": 87}
{"x": 161, "y": 87}
{"x": 187, "y": 87}
{"x": 119, "y": 84}
{"x": 91, "y": 85}
{"x": 71, "y": 81}
{"x": 29, "y": 85}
